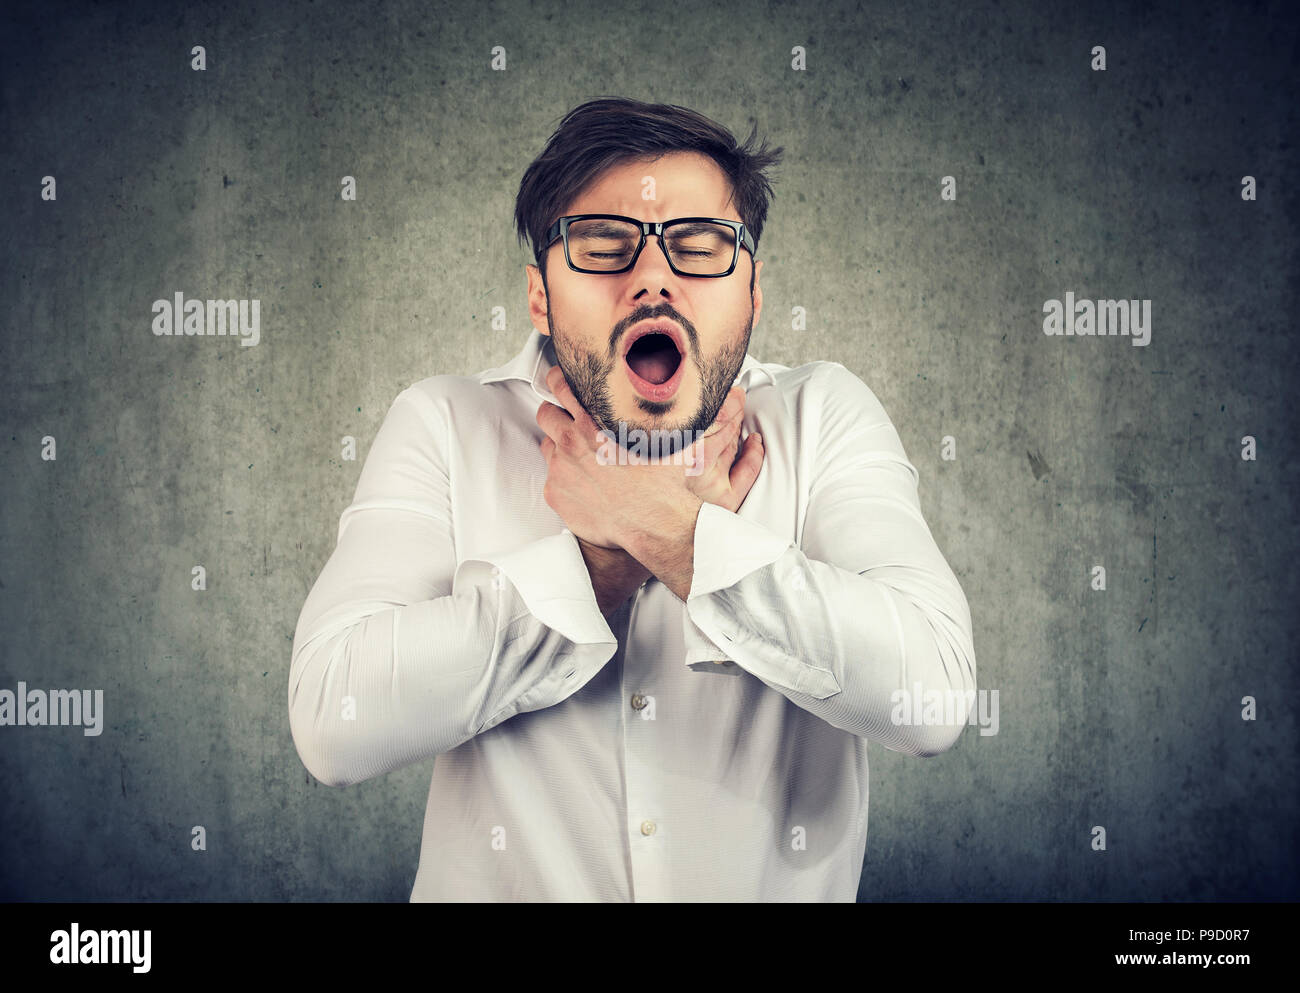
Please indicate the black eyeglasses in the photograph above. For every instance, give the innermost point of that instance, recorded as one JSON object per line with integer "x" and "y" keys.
{"x": 708, "y": 247}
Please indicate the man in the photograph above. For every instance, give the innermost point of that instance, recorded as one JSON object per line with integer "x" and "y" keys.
{"x": 647, "y": 673}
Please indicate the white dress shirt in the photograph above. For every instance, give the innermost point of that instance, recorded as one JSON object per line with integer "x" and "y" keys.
{"x": 709, "y": 750}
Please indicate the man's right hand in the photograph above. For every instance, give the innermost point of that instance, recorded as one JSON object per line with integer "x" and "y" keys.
{"x": 615, "y": 574}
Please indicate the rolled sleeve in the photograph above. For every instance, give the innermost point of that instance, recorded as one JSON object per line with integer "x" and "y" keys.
{"x": 552, "y": 579}
{"x": 718, "y": 533}
{"x": 741, "y": 569}
{"x": 864, "y": 606}
{"x": 728, "y": 547}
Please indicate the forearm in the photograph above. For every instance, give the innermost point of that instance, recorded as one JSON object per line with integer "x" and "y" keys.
{"x": 664, "y": 546}
{"x": 839, "y": 642}
{"x": 615, "y": 575}
{"x": 374, "y": 687}
{"x": 842, "y": 646}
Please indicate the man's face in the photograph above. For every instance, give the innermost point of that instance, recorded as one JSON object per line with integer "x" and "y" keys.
{"x": 590, "y": 316}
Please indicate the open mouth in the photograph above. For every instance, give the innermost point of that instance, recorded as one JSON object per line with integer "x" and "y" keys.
{"x": 654, "y": 364}
{"x": 654, "y": 357}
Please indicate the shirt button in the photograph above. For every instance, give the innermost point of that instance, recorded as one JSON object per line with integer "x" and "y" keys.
{"x": 638, "y": 701}
{"x": 647, "y": 827}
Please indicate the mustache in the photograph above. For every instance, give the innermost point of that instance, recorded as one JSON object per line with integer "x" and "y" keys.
{"x": 620, "y": 331}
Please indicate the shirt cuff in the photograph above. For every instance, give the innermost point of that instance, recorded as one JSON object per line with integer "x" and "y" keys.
{"x": 702, "y": 654}
{"x": 727, "y": 548}
{"x": 551, "y": 577}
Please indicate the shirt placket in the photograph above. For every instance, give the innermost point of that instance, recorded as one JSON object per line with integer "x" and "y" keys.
{"x": 648, "y": 830}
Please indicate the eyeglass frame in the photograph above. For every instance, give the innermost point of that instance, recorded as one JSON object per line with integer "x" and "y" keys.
{"x": 560, "y": 230}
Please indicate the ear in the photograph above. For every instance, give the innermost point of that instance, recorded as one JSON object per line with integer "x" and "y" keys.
{"x": 758, "y": 291}
{"x": 538, "y": 304}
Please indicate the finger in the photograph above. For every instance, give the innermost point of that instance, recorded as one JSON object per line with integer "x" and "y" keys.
{"x": 553, "y": 420}
{"x": 729, "y": 457}
{"x": 729, "y": 414}
{"x": 748, "y": 466}
{"x": 707, "y": 450}
{"x": 592, "y": 436}
{"x": 560, "y": 387}
{"x": 737, "y": 394}
{"x": 733, "y": 406}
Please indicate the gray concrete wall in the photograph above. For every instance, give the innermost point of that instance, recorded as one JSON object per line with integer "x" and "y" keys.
{"x": 1120, "y": 708}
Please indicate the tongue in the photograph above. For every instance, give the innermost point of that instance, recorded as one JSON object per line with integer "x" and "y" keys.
{"x": 654, "y": 367}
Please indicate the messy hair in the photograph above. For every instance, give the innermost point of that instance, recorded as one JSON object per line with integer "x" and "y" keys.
{"x": 605, "y": 132}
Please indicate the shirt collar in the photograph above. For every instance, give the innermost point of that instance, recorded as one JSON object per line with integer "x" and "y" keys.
{"x": 537, "y": 357}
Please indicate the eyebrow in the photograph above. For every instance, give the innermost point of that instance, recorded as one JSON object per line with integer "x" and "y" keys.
{"x": 599, "y": 226}
{"x": 689, "y": 229}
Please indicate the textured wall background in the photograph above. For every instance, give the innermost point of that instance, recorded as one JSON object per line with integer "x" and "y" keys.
{"x": 1119, "y": 708}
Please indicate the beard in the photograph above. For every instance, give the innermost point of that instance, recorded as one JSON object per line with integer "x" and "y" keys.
{"x": 588, "y": 375}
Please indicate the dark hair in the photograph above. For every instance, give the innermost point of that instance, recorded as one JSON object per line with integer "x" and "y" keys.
{"x": 602, "y": 133}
